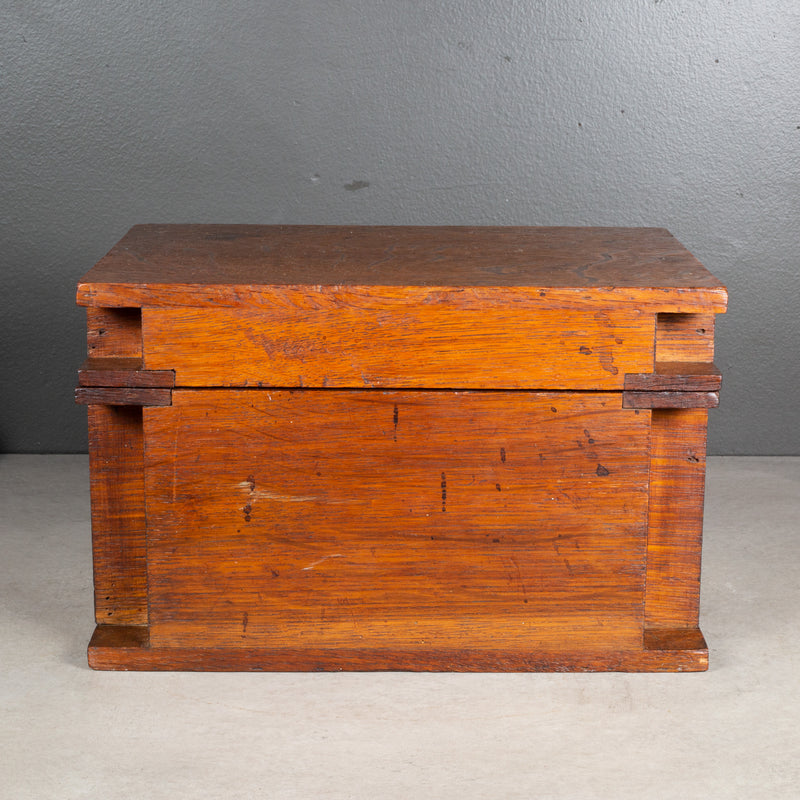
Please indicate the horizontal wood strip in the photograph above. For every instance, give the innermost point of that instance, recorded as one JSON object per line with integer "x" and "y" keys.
{"x": 122, "y": 373}
{"x": 128, "y": 648}
{"x": 88, "y": 395}
{"x": 670, "y": 399}
{"x": 193, "y": 265}
{"x": 437, "y": 346}
{"x": 674, "y": 376}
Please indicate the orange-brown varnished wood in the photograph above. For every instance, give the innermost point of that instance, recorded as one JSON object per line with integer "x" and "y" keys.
{"x": 115, "y": 647}
{"x": 685, "y": 337}
{"x": 412, "y": 448}
{"x": 231, "y": 265}
{"x": 441, "y": 345}
{"x": 675, "y": 528}
{"x": 118, "y": 514}
{"x": 114, "y": 332}
{"x": 407, "y": 520}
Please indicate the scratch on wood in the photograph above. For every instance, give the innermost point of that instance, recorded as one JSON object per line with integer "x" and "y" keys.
{"x": 319, "y": 561}
{"x": 444, "y": 492}
{"x": 503, "y": 454}
{"x": 263, "y": 494}
{"x": 521, "y": 582}
{"x": 396, "y": 418}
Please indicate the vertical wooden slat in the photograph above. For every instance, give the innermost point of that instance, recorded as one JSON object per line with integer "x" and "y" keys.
{"x": 114, "y": 332}
{"x": 684, "y": 337}
{"x": 675, "y": 526}
{"x": 116, "y": 458}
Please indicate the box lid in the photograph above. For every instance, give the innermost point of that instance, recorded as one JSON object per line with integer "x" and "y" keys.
{"x": 198, "y": 265}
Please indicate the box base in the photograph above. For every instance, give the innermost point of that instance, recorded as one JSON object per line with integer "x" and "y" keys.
{"x": 127, "y": 647}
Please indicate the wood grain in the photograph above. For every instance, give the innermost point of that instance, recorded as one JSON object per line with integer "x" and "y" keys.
{"x": 114, "y": 332}
{"x": 433, "y": 346}
{"x": 675, "y": 528}
{"x": 128, "y": 648}
{"x": 670, "y": 399}
{"x": 227, "y": 265}
{"x": 116, "y": 463}
{"x": 674, "y": 376}
{"x": 125, "y": 373}
{"x": 402, "y": 520}
{"x": 116, "y": 396}
{"x": 685, "y": 337}
{"x": 487, "y": 452}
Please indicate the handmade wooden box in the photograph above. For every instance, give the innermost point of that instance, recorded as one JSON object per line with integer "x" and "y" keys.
{"x": 418, "y": 448}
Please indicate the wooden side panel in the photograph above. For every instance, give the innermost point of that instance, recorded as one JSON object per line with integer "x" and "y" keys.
{"x": 116, "y": 460}
{"x": 678, "y": 441}
{"x": 685, "y": 337}
{"x": 403, "y": 520}
{"x": 441, "y": 345}
{"x": 114, "y": 332}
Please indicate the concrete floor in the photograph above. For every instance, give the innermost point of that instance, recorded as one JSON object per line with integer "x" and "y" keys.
{"x": 733, "y": 732}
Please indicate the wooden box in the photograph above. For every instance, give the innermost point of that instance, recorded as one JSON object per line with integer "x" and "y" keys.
{"x": 417, "y": 448}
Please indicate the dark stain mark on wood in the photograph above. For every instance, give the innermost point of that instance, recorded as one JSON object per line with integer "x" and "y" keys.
{"x": 554, "y": 409}
{"x": 601, "y": 470}
{"x": 585, "y": 350}
{"x": 396, "y": 417}
{"x": 247, "y": 510}
{"x": 618, "y": 341}
{"x": 444, "y": 492}
{"x": 252, "y": 482}
{"x": 607, "y": 361}
{"x": 497, "y": 486}
{"x": 275, "y": 573}
{"x": 244, "y": 622}
{"x": 503, "y": 454}
{"x": 692, "y": 457}
{"x": 588, "y": 436}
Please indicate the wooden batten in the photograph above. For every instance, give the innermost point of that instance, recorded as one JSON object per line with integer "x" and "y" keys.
{"x": 670, "y": 399}
{"x": 122, "y": 396}
{"x": 126, "y": 373}
{"x": 116, "y": 461}
{"x": 676, "y": 376}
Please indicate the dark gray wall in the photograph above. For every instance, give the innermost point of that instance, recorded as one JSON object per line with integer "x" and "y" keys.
{"x": 635, "y": 112}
